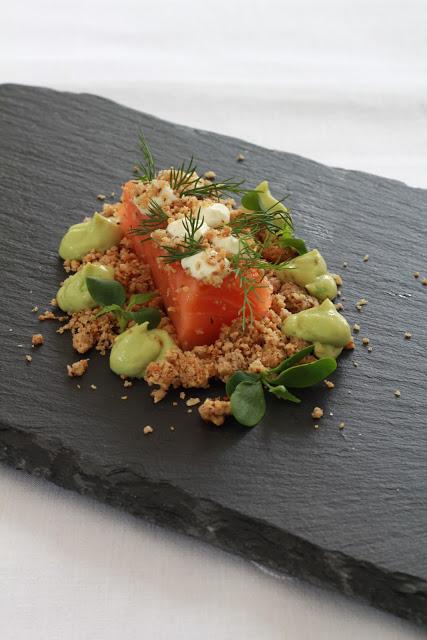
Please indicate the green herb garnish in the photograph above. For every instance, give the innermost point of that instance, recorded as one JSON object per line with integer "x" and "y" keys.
{"x": 296, "y": 243}
{"x": 147, "y": 168}
{"x": 156, "y": 218}
{"x": 183, "y": 176}
{"x": 246, "y": 390}
{"x": 111, "y": 296}
{"x": 189, "y": 245}
{"x": 214, "y": 189}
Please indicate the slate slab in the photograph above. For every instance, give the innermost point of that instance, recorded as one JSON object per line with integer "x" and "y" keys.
{"x": 346, "y": 509}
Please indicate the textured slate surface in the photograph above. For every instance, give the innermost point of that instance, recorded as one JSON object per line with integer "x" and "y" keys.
{"x": 345, "y": 509}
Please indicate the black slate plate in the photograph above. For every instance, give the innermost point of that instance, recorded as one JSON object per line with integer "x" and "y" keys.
{"x": 345, "y": 509}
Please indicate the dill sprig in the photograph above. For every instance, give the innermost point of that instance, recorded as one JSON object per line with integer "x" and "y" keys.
{"x": 147, "y": 168}
{"x": 214, "y": 189}
{"x": 182, "y": 177}
{"x": 190, "y": 244}
{"x": 262, "y": 220}
{"x": 156, "y": 219}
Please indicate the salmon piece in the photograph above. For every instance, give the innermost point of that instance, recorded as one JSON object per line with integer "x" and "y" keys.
{"x": 197, "y": 310}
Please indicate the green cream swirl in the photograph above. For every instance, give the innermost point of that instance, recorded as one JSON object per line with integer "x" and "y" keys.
{"x": 99, "y": 233}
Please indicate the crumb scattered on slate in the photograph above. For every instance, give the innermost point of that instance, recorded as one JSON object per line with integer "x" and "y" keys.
{"x": 127, "y": 383}
{"x": 365, "y": 258}
{"x": 28, "y": 358}
{"x": 356, "y": 327}
{"x": 316, "y": 426}
{"x": 123, "y": 397}
{"x": 407, "y": 335}
{"x": 355, "y": 364}
{"x": 53, "y": 302}
{"x": 191, "y": 402}
{"x": 341, "y": 425}
{"x": 210, "y": 175}
{"x": 100, "y": 196}
{"x": 424, "y": 282}
{"x": 147, "y": 429}
{"x": 365, "y": 341}
{"x": 172, "y": 428}
{"x": 339, "y": 306}
{"x": 93, "y": 386}
{"x": 34, "y": 309}
{"x": 329, "y": 384}
{"x": 189, "y": 410}
{"x": 78, "y": 368}
{"x": 317, "y": 413}
{"x": 397, "y": 393}
{"x": 37, "y": 339}
{"x": 240, "y": 157}
{"x": 182, "y": 395}
{"x": 370, "y": 349}
{"x": 174, "y": 404}
{"x": 344, "y": 264}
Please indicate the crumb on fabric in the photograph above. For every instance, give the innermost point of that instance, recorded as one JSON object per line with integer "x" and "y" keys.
{"x": 215, "y": 410}
{"x": 78, "y": 368}
{"x": 37, "y": 340}
{"x": 147, "y": 430}
{"x": 317, "y": 413}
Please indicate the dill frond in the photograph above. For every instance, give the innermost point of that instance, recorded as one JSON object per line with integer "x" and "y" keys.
{"x": 147, "y": 168}
{"x": 156, "y": 219}
{"x": 182, "y": 177}
{"x": 214, "y": 189}
{"x": 262, "y": 220}
{"x": 189, "y": 245}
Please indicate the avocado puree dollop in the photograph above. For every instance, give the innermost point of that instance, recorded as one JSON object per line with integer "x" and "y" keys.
{"x": 322, "y": 325}
{"x": 98, "y": 233}
{"x": 310, "y": 271}
{"x": 135, "y": 348}
{"x": 74, "y": 295}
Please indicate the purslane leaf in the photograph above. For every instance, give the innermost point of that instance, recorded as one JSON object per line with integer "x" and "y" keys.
{"x": 150, "y": 315}
{"x": 306, "y": 375}
{"x": 106, "y": 292}
{"x": 296, "y": 243}
{"x": 289, "y": 362}
{"x": 140, "y": 298}
{"x": 248, "y": 403}
{"x": 236, "y": 378}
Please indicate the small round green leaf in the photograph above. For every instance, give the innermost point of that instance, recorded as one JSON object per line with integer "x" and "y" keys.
{"x": 149, "y": 314}
{"x": 248, "y": 403}
{"x": 238, "y": 377}
{"x": 106, "y": 292}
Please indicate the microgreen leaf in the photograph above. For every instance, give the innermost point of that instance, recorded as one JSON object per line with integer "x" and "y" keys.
{"x": 110, "y": 308}
{"x": 289, "y": 362}
{"x": 248, "y": 403}
{"x": 296, "y": 243}
{"x": 236, "y": 378}
{"x": 306, "y": 375}
{"x": 140, "y": 298}
{"x": 281, "y": 392}
{"x": 106, "y": 292}
{"x": 149, "y": 314}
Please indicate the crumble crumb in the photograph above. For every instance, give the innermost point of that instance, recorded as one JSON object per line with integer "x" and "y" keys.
{"x": 127, "y": 383}
{"x": 339, "y": 306}
{"x": 397, "y": 393}
{"x": 345, "y": 265}
{"x": 366, "y": 258}
{"x": 365, "y": 341}
{"x": 416, "y": 274}
{"x": 337, "y": 279}
{"x": 174, "y": 404}
{"x": 191, "y": 402}
{"x": 147, "y": 430}
{"x": 316, "y": 426}
{"x": 355, "y": 364}
{"x": 100, "y": 196}
{"x": 123, "y": 397}
{"x": 370, "y": 349}
{"x": 28, "y": 358}
{"x": 93, "y": 386}
{"x": 37, "y": 339}
{"x": 34, "y": 309}
{"x": 329, "y": 384}
{"x": 341, "y": 425}
{"x": 317, "y": 413}
{"x": 210, "y": 175}
{"x": 424, "y": 282}
{"x": 215, "y": 410}
{"x": 47, "y": 315}
{"x": 361, "y": 303}
{"x": 240, "y": 157}
{"x": 182, "y": 395}
{"x": 53, "y": 302}
{"x": 78, "y": 368}
{"x": 356, "y": 327}
{"x": 407, "y": 335}
{"x": 172, "y": 428}
{"x": 189, "y": 410}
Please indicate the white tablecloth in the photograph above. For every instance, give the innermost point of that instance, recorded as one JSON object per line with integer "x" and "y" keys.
{"x": 341, "y": 82}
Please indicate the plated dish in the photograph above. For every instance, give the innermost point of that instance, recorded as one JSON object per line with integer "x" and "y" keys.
{"x": 186, "y": 279}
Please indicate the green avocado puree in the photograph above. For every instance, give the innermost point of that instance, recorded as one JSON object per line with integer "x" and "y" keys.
{"x": 310, "y": 271}
{"x": 98, "y": 233}
{"x": 135, "y": 348}
{"x": 322, "y": 325}
{"x": 74, "y": 295}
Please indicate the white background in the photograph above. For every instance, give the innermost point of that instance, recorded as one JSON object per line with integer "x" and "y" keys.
{"x": 342, "y": 82}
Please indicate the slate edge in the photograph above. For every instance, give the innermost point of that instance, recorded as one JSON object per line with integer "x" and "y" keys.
{"x": 165, "y": 505}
